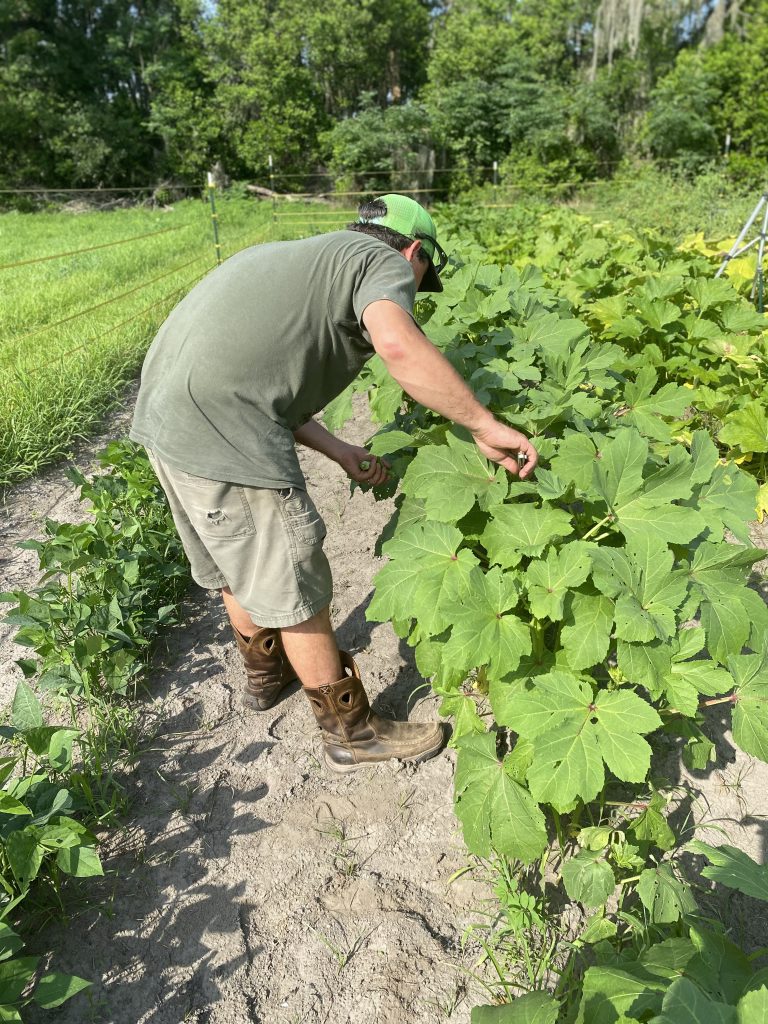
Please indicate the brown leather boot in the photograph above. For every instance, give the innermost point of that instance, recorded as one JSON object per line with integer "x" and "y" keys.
{"x": 355, "y": 736}
{"x": 267, "y": 669}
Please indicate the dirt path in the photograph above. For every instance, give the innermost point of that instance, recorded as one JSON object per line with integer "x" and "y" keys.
{"x": 248, "y": 884}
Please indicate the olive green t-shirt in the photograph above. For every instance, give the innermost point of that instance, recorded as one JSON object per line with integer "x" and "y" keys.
{"x": 258, "y": 347}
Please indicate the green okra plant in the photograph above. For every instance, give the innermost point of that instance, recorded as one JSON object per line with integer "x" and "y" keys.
{"x": 573, "y": 622}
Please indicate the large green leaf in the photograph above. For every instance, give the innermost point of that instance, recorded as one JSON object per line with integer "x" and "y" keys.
{"x": 726, "y": 501}
{"x": 753, "y": 1007}
{"x": 484, "y": 632}
{"x": 733, "y": 868}
{"x": 586, "y": 632}
{"x": 10, "y": 805}
{"x": 645, "y": 406}
{"x": 54, "y": 989}
{"x": 651, "y": 826}
{"x": 685, "y": 1003}
{"x": 619, "y": 474}
{"x": 549, "y": 580}
{"x": 657, "y": 313}
{"x": 687, "y": 680}
{"x": 715, "y": 566}
{"x": 669, "y": 958}
{"x": 532, "y": 1008}
{"x": 720, "y": 967}
{"x": 427, "y": 572}
{"x": 15, "y": 976}
{"x": 26, "y": 712}
{"x": 704, "y": 456}
{"x": 496, "y": 812}
{"x": 663, "y": 895}
{"x": 453, "y": 477}
{"x": 80, "y": 861}
{"x": 588, "y": 878}
{"x": 463, "y": 710}
{"x": 503, "y": 693}
{"x": 711, "y": 291}
{"x": 25, "y": 856}
{"x": 553, "y": 333}
{"x": 575, "y": 731}
{"x": 645, "y": 515}
{"x": 575, "y": 461}
{"x": 646, "y": 587}
{"x": 750, "y": 712}
{"x": 747, "y": 428}
{"x": 646, "y": 511}
{"x": 523, "y": 529}
{"x": 726, "y": 626}
{"x": 608, "y": 992}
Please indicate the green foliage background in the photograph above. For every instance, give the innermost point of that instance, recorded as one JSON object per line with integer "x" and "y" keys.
{"x": 126, "y": 93}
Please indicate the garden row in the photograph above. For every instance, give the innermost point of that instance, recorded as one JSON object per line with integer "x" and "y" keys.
{"x": 558, "y": 612}
{"x": 109, "y": 586}
{"x": 577, "y": 626}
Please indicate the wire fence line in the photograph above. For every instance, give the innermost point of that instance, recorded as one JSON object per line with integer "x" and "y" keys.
{"x": 247, "y": 237}
{"x": 97, "y": 189}
{"x": 107, "y": 302}
{"x": 110, "y": 330}
{"x": 296, "y": 219}
{"x": 90, "y": 248}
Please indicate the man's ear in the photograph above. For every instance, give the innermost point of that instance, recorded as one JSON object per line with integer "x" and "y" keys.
{"x": 411, "y": 250}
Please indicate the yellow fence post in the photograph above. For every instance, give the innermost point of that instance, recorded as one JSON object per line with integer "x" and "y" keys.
{"x": 214, "y": 216}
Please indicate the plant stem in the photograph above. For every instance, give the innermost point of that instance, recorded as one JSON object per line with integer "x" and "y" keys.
{"x": 731, "y": 698}
{"x": 597, "y": 526}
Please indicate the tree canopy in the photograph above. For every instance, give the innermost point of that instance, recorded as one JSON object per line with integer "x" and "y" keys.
{"x": 127, "y": 92}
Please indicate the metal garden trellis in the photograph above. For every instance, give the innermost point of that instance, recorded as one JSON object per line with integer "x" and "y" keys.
{"x": 738, "y": 249}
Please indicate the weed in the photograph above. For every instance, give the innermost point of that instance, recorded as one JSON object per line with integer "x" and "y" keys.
{"x": 343, "y": 954}
{"x": 344, "y": 857}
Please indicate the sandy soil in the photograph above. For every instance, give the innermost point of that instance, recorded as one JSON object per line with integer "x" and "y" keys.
{"x": 248, "y": 885}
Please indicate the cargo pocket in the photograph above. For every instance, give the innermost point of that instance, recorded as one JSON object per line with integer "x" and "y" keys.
{"x": 302, "y": 518}
{"x": 215, "y": 509}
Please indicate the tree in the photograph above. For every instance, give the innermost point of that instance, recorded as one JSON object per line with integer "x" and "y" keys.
{"x": 680, "y": 125}
{"x": 76, "y": 87}
{"x": 285, "y": 72}
{"x": 382, "y": 150}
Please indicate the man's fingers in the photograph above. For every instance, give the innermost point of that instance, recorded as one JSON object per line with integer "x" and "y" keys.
{"x": 376, "y": 473}
{"x": 510, "y": 463}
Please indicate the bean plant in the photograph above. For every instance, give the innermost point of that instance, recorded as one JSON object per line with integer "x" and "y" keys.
{"x": 110, "y": 585}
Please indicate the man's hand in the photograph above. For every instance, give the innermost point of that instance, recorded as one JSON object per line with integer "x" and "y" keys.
{"x": 352, "y": 460}
{"x": 502, "y": 444}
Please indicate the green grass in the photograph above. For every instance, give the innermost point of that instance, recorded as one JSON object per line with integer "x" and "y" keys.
{"x": 640, "y": 196}
{"x": 74, "y": 330}
{"x": 676, "y": 207}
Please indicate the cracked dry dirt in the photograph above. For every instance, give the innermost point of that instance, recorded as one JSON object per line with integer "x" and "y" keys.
{"x": 248, "y": 886}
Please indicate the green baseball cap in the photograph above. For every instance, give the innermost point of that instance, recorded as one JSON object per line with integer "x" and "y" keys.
{"x": 409, "y": 218}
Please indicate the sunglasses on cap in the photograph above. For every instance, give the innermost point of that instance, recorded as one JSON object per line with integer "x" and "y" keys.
{"x": 439, "y": 256}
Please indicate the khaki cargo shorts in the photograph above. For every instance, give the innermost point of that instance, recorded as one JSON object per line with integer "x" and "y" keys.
{"x": 265, "y": 545}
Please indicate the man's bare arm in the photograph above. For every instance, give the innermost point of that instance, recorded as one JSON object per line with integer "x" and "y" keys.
{"x": 425, "y": 374}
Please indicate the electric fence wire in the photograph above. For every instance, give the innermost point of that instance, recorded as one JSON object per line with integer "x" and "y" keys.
{"x": 146, "y": 284}
{"x": 90, "y": 248}
{"x": 115, "y": 327}
{"x": 107, "y": 302}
